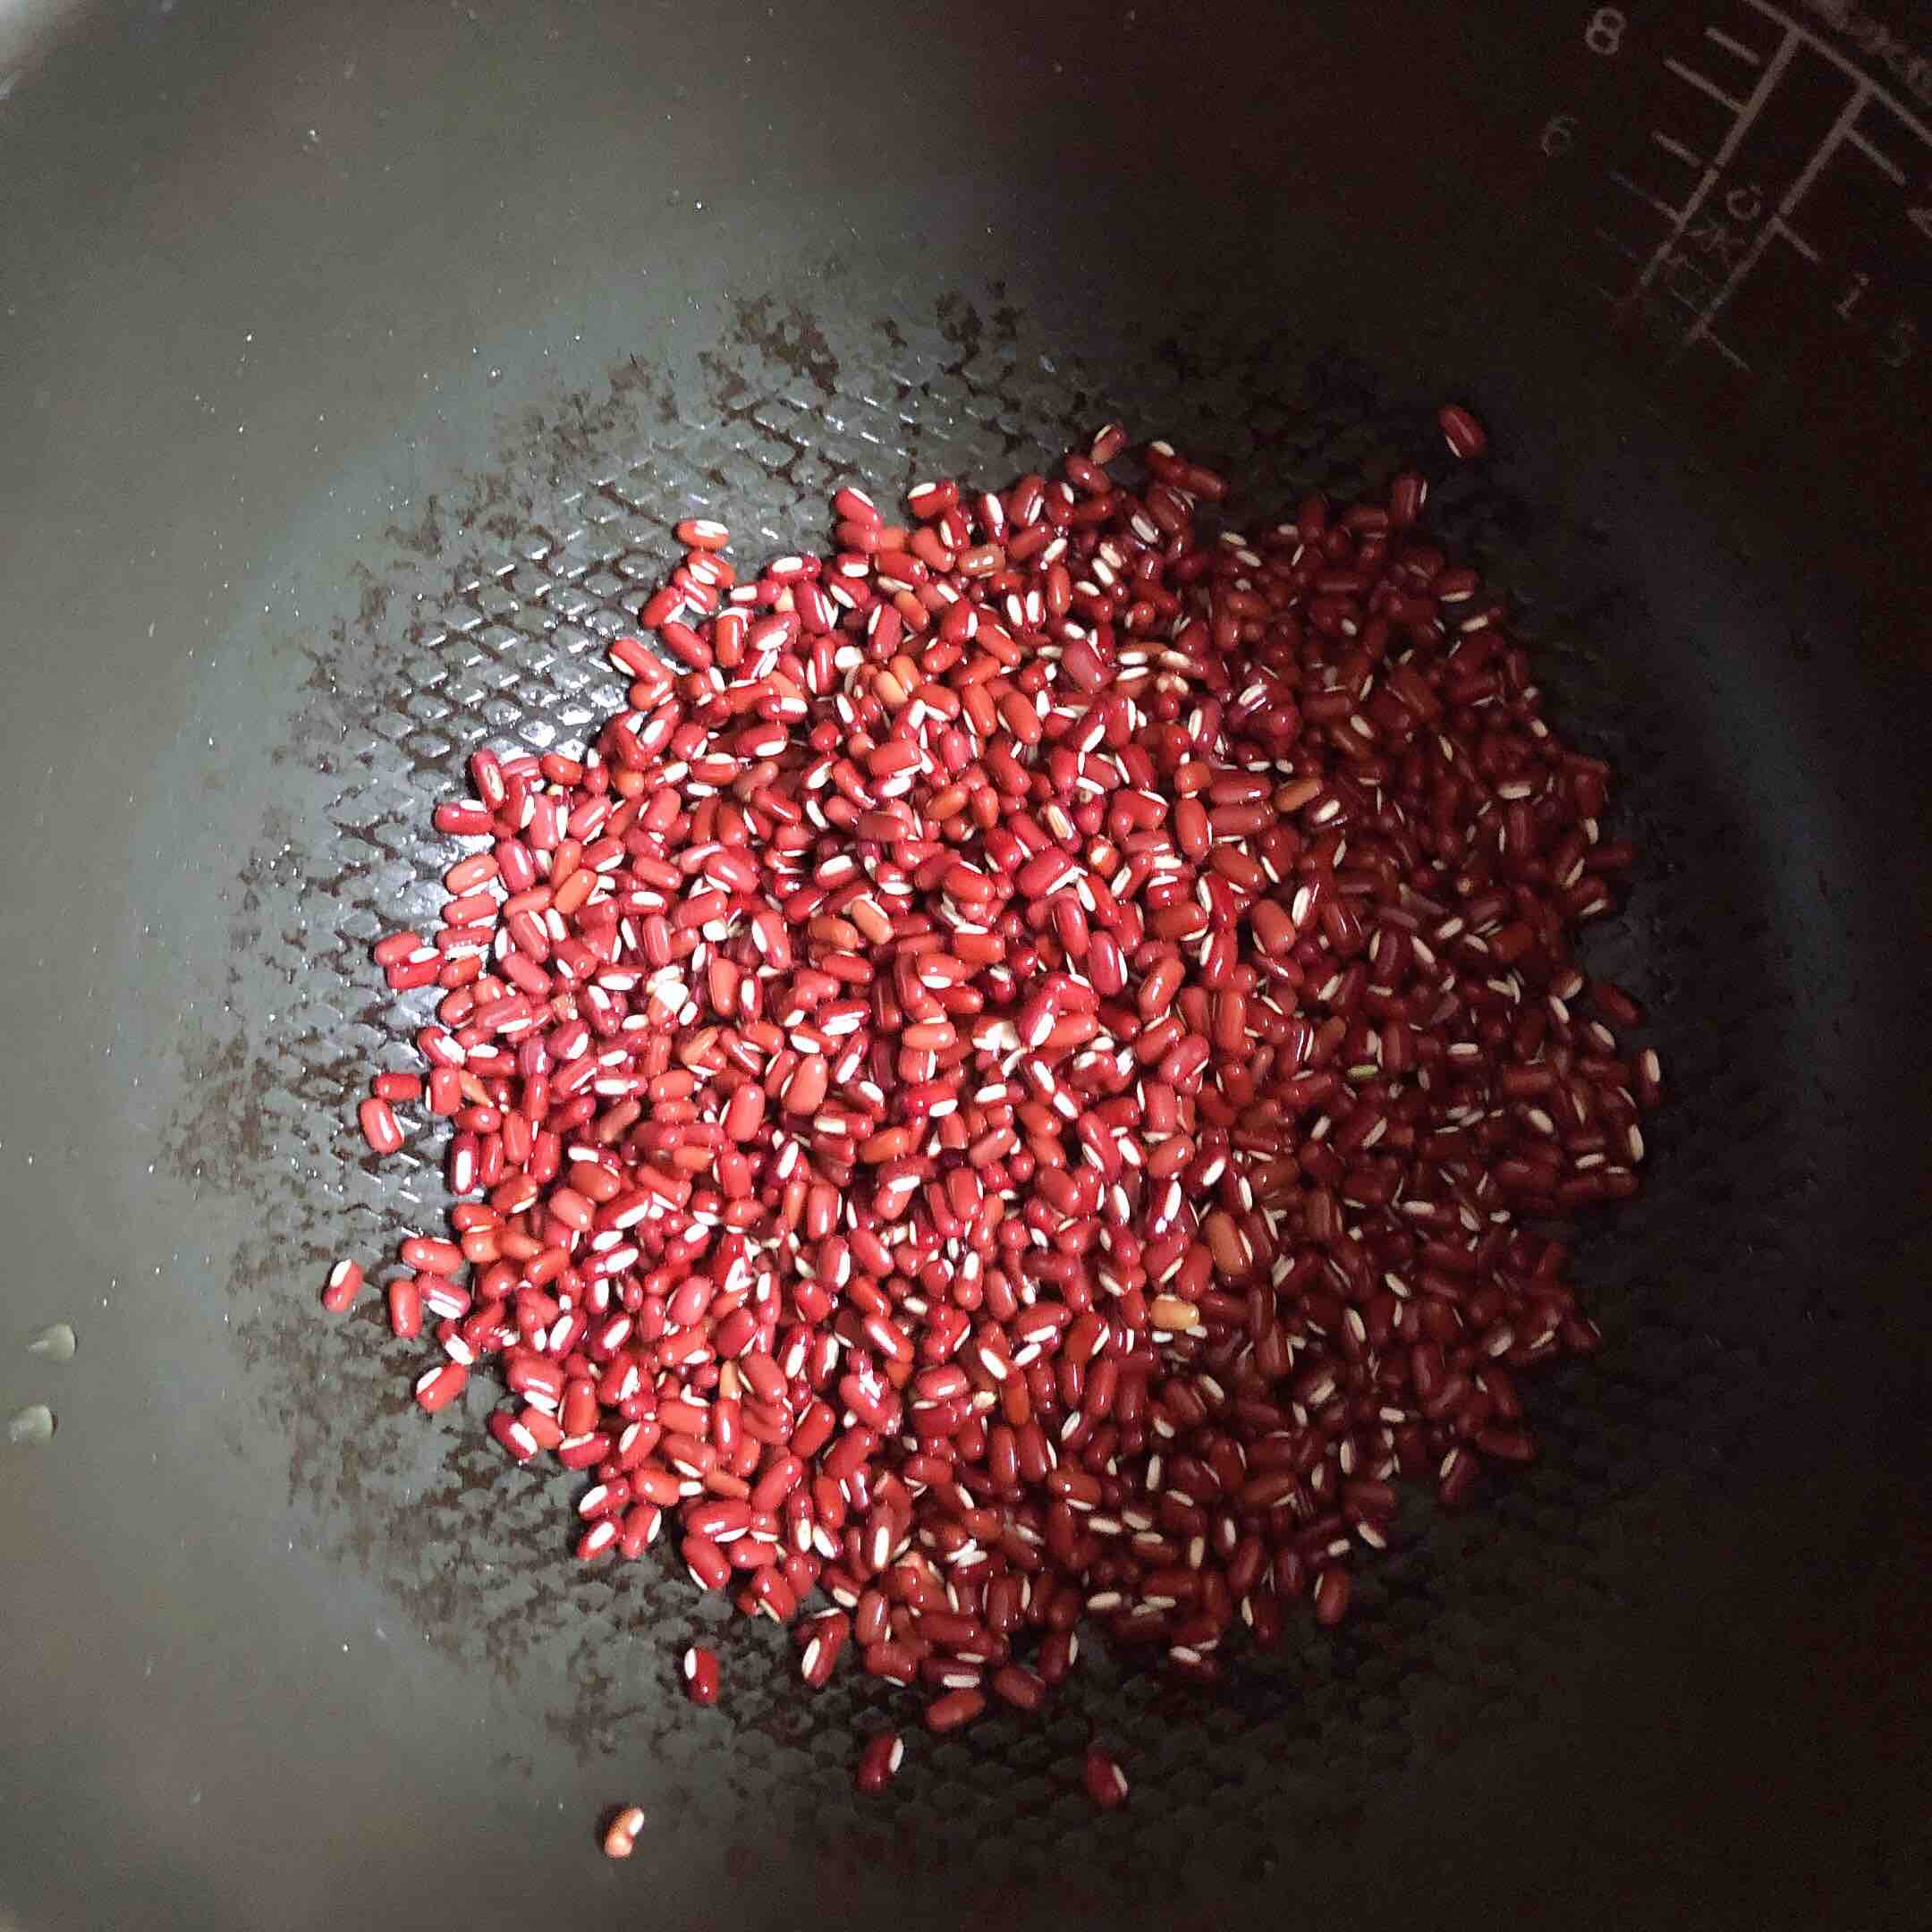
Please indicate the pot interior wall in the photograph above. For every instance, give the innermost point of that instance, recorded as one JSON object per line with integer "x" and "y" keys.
{"x": 362, "y": 362}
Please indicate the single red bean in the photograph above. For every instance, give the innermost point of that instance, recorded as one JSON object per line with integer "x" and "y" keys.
{"x": 1016, "y": 1685}
{"x": 701, "y": 1675}
{"x": 621, "y": 1832}
{"x": 405, "y": 1307}
{"x": 1464, "y": 433}
{"x": 953, "y": 1709}
{"x": 1106, "y": 1782}
{"x": 379, "y": 1128}
{"x": 437, "y": 1389}
{"x": 879, "y": 1762}
{"x": 344, "y": 1283}
{"x": 1330, "y": 1597}
{"x": 516, "y": 1438}
{"x": 825, "y": 1639}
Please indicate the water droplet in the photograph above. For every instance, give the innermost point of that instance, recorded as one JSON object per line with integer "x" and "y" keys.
{"x": 33, "y": 1424}
{"x": 55, "y": 1342}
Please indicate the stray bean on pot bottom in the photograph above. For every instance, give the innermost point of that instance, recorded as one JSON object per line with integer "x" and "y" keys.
{"x": 1006, "y": 1094}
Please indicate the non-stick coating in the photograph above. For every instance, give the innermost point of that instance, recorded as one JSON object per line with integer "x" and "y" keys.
{"x": 358, "y": 360}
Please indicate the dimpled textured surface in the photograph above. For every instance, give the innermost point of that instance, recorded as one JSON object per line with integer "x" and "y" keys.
{"x": 483, "y": 618}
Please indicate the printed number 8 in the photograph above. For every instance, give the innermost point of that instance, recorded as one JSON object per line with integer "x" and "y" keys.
{"x": 1605, "y": 33}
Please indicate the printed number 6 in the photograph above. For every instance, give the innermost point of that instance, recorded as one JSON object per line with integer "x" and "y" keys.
{"x": 1605, "y": 33}
{"x": 1559, "y": 136}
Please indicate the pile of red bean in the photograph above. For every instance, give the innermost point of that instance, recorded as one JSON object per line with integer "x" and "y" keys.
{"x": 1009, "y": 1090}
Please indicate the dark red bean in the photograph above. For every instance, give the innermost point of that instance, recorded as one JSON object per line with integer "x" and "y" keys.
{"x": 878, "y": 1763}
{"x": 1106, "y": 1782}
{"x": 1330, "y": 1597}
{"x": 1015, "y": 1684}
{"x": 1461, "y": 432}
{"x": 437, "y": 1389}
{"x": 954, "y": 1709}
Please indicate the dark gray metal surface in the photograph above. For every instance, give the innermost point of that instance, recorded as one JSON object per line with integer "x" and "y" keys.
{"x": 357, "y": 362}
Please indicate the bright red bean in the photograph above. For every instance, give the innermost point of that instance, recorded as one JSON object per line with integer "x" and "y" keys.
{"x": 701, "y": 1675}
{"x": 344, "y": 1283}
{"x": 437, "y": 1389}
{"x": 379, "y": 1128}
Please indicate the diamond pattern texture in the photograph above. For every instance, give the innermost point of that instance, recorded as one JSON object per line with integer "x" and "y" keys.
{"x": 486, "y": 621}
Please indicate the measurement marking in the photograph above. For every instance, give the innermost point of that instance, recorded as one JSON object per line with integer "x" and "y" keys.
{"x": 1719, "y": 161}
{"x": 1796, "y": 239}
{"x": 1748, "y": 56}
{"x": 1779, "y": 223}
{"x": 1707, "y": 86}
{"x": 1716, "y": 342}
{"x": 1889, "y": 101}
{"x": 1882, "y": 163}
{"x": 1667, "y": 268}
{"x": 1645, "y": 196}
{"x": 1668, "y": 290}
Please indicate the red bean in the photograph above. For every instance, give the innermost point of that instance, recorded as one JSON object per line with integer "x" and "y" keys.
{"x": 379, "y": 1128}
{"x": 953, "y": 1709}
{"x": 1014, "y": 1081}
{"x": 825, "y": 1639}
{"x": 878, "y": 1763}
{"x": 928, "y": 500}
{"x": 701, "y": 1675}
{"x": 428, "y": 1252}
{"x": 1016, "y": 1685}
{"x": 709, "y": 1566}
{"x": 1330, "y": 1597}
{"x": 405, "y": 1307}
{"x": 1106, "y": 1782}
{"x": 515, "y": 1436}
{"x": 437, "y": 1389}
{"x": 343, "y": 1285}
{"x": 1464, "y": 433}
{"x": 621, "y": 1832}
